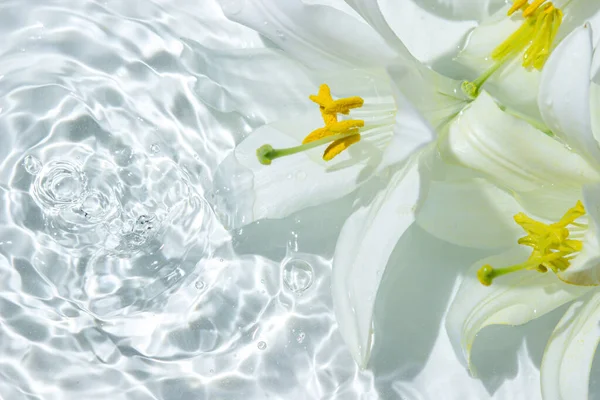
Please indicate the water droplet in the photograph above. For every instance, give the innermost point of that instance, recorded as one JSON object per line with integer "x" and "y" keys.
{"x": 301, "y": 336}
{"x": 301, "y": 175}
{"x": 297, "y": 275}
{"x": 262, "y": 345}
{"x": 155, "y": 148}
{"x": 200, "y": 285}
{"x": 280, "y": 34}
{"x": 32, "y": 164}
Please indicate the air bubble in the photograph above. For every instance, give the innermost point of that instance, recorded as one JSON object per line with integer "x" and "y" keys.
{"x": 32, "y": 164}
{"x": 155, "y": 148}
{"x": 297, "y": 275}
{"x": 261, "y": 345}
{"x": 59, "y": 184}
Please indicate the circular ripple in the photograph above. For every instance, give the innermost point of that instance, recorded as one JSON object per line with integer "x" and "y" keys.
{"x": 60, "y": 184}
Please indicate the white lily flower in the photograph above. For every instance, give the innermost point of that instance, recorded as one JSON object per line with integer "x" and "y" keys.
{"x": 556, "y": 179}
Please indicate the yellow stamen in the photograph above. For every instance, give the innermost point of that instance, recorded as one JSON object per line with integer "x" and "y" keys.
{"x": 551, "y": 246}
{"x": 340, "y": 134}
{"x": 339, "y": 145}
{"x": 517, "y": 5}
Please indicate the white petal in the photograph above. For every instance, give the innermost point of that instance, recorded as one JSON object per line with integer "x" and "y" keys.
{"x": 565, "y": 369}
{"x": 428, "y": 35}
{"x": 249, "y": 191}
{"x": 585, "y": 268}
{"x": 511, "y": 152}
{"x": 513, "y": 299}
{"x": 362, "y": 251}
{"x": 471, "y": 213}
{"x": 513, "y": 85}
{"x": 316, "y": 34}
{"x": 564, "y": 96}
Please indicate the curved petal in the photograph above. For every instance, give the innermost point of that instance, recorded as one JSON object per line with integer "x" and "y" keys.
{"x": 585, "y": 268}
{"x": 511, "y": 152}
{"x": 513, "y": 299}
{"x": 428, "y": 35}
{"x": 565, "y": 369}
{"x": 564, "y": 96}
{"x": 318, "y": 35}
{"x": 364, "y": 246}
{"x": 470, "y": 213}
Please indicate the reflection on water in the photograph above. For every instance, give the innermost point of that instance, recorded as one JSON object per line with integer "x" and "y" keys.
{"x": 116, "y": 278}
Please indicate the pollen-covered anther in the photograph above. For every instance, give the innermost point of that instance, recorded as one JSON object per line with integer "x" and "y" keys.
{"x": 552, "y": 247}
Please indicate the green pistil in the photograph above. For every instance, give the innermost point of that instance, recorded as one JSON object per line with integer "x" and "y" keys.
{"x": 266, "y": 153}
{"x": 472, "y": 88}
{"x": 487, "y": 273}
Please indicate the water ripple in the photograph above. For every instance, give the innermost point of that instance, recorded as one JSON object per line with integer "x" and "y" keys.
{"x": 116, "y": 278}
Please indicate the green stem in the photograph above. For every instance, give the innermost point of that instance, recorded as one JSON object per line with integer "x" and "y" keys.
{"x": 472, "y": 88}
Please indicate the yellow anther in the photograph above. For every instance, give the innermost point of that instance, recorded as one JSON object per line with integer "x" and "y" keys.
{"x": 517, "y": 5}
{"x": 339, "y": 145}
{"x": 334, "y": 129}
{"x": 329, "y": 110}
{"x": 532, "y": 7}
{"x": 343, "y": 106}
{"x": 551, "y": 246}
{"x": 535, "y": 36}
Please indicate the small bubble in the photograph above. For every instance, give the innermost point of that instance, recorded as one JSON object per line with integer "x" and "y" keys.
{"x": 297, "y": 275}
{"x": 200, "y": 285}
{"x": 301, "y": 336}
{"x": 261, "y": 345}
{"x": 155, "y": 148}
{"x": 280, "y": 34}
{"x": 301, "y": 175}
{"x": 32, "y": 165}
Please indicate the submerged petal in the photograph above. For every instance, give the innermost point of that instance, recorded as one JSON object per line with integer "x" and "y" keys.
{"x": 565, "y": 369}
{"x": 513, "y": 299}
{"x": 362, "y": 252}
{"x": 564, "y": 96}
{"x": 511, "y": 152}
{"x": 319, "y": 35}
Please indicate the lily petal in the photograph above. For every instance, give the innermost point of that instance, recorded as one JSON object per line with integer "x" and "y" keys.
{"x": 512, "y": 153}
{"x": 319, "y": 35}
{"x": 470, "y": 212}
{"x": 364, "y": 246}
{"x": 585, "y": 267}
{"x": 513, "y": 299}
{"x": 564, "y": 96}
{"x": 565, "y": 369}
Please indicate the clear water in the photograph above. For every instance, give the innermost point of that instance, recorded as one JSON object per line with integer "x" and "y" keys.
{"x": 116, "y": 279}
